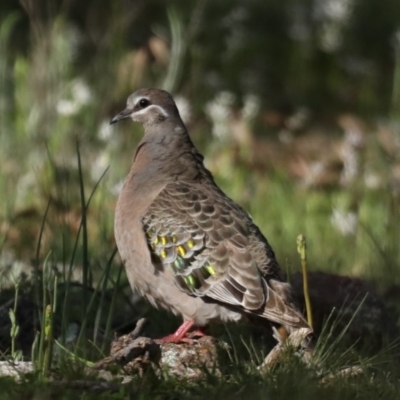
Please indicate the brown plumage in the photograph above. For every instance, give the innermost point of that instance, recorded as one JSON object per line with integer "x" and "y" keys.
{"x": 185, "y": 245}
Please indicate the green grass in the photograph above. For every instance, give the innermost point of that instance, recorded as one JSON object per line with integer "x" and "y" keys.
{"x": 239, "y": 381}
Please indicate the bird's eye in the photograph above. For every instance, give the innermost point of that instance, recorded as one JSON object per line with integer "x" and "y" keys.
{"x": 143, "y": 103}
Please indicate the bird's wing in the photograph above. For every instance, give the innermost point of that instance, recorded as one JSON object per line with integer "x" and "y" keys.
{"x": 211, "y": 245}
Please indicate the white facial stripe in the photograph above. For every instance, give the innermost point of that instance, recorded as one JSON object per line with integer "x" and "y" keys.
{"x": 137, "y": 100}
{"x": 145, "y": 110}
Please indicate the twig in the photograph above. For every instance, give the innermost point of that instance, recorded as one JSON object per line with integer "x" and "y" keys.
{"x": 138, "y": 328}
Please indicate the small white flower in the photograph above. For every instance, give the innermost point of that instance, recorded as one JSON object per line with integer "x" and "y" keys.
{"x": 81, "y": 92}
{"x": 372, "y": 180}
{"x": 344, "y": 221}
{"x": 80, "y": 95}
{"x": 100, "y": 164}
{"x": 334, "y": 15}
{"x": 334, "y": 10}
{"x": 331, "y": 37}
{"x": 251, "y": 107}
{"x": 355, "y": 137}
{"x": 351, "y": 164}
{"x": 11, "y": 272}
{"x": 219, "y": 111}
{"x": 297, "y": 120}
{"x": 105, "y": 131}
{"x": 67, "y": 107}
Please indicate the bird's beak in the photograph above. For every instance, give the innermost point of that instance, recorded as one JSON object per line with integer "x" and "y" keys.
{"x": 123, "y": 114}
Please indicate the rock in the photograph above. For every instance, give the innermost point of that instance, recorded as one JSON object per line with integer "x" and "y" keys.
{"x": 15, "y": 369}
{"x": 134, "y": 356}
{"x": 186, "y": 360}
{"x": 190, "y": 360}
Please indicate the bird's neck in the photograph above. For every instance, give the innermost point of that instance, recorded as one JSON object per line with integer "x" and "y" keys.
{"x": 165, "y": 154}
{"x": 161, "y": 157}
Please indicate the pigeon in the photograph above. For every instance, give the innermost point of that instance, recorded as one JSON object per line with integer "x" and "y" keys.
{"x": 186, "y": 246}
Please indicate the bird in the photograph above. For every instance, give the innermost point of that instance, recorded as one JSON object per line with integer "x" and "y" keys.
{"x": 186, "y": 246}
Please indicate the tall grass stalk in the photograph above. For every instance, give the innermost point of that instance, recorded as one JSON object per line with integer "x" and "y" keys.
{"x": 36, "y": 261}
{"x": 88, "y": 310}
{"x": 329, "y": 341}
{"x": 43, "y": 356}
{"x": 178, "y": 49}
{"x": 15, "y": 355}
{"x": 102, "y": 302}
{"x": 86, "y": 273}
{"x": 302, "y": 250}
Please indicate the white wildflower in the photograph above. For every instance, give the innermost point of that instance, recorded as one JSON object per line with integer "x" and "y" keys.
{"x": 105, "y": 131}
{"x": 11, "y": 272}
{"x": 350, "y": 153}
{"x": 219, "y": 111}
{"x": 355, "y": 137}
{"x": 298, "y": 120}
{"x": 251, "y": 107}
{"x": 81, "y": 92}
{"x": 351, "y": 164}
{"x": 335, "y": 10}
{"x": 331, "y": 37}
{"x": 334, "y": 15}
{"x": 79, "y": 96}
{"x": 100, "y": 164}
{"x": 372, "y": 180}
{"x": 67, "y": 107}
{"x": 344, "y": 221}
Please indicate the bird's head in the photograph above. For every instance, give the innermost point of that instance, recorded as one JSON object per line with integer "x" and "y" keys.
{"x": 149, "y": 107}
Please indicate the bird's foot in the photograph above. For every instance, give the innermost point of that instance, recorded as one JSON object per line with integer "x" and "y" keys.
{"x": 182, "y": 334}
{"x": 197, "y": 333}
{"x": 174, "y": 339}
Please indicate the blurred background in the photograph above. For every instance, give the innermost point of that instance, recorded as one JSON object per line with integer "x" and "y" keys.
{"x": 294, "y": 103}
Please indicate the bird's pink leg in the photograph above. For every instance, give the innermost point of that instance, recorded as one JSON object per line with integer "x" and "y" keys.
{"x": 179, "y": 336}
